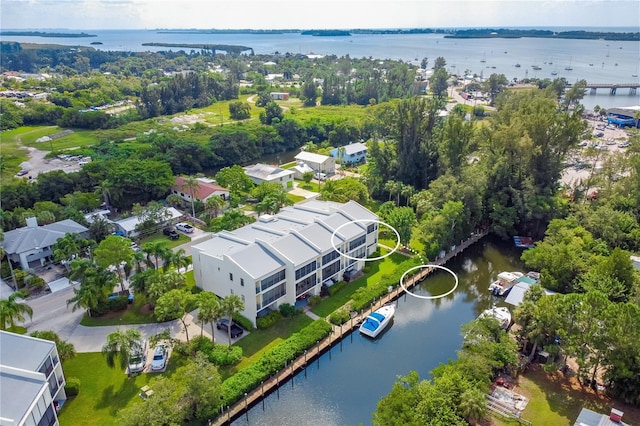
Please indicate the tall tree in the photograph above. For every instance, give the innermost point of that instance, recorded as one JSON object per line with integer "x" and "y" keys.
{"x": 11, "y": 310}
{"x": 120, "y": 345}
{"x": 209, "y": 310}
{"x": 191, "y": 186}
{"x": 231, "y": 305}
{"x": 114, "y": 251}
{"x": 174, "y": 305}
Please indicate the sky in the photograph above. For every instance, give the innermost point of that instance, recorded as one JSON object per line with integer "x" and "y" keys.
{"x": 305, "y": 14}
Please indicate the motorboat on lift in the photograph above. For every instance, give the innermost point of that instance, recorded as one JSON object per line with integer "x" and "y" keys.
{"x": 502, "y": 314}
{"x": 505, "y": 281}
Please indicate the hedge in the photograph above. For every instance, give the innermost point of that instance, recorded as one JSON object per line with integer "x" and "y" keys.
{"x": 273, "y": 361}
{"x": 268, "y": 320}
{"x": 364, "y": 296}
{"x": 339, "y": 316}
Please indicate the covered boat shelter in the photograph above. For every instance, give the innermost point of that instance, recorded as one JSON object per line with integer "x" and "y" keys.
{"x": 517, "y": 292}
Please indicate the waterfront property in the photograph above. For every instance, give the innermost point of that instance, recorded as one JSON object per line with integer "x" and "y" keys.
{"x": 259, "y": 173}
{"x": 623, "y": 117}
{"x": 128, "y": 227}
{"x": 317, "y": 162}
{"x": 33, "y": 243}
{"x": 32, "y": 380}
{"x": 288, "y": 256}
{"x": 351, "y": 154}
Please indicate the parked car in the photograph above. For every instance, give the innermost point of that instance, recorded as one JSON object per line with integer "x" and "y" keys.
{"x": 159, "y": 360}
{"x": 223, "y": 324}
{"x": 22, "y": 173}
{"x": 624, "y": 145}
{"x": 185, "y": 227}
{"x": 171, "y": 233}
{"x": 138, "y": 358}
{"x": 135, "y": 246}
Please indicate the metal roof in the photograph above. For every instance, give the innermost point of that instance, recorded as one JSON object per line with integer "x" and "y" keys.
{"x": 266, "y": 172}
{"x": 295, "y": 249}
{"x": 311, "y": 157}
{"x": 29, "y": 238}
{"x": 261, "y": 262}
{"x": 24, "y": 352}
{"x": 19, "y": 390}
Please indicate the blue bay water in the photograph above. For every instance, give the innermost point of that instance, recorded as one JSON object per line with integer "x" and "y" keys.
{"x": 597, "y": 61}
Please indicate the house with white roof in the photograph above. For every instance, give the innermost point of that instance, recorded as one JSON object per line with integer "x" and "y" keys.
{"x": 32, "y": 381}
{"x": 259, "y": 173}
{"x": 33, "y": 242}
{"x": 286, "y": 257}
{"x": 318, "y": 162}
{"x": 350, "y": 154}
{"x": 127, "y": 227}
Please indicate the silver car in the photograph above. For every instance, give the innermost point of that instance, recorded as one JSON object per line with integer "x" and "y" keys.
{"x": 159, "y": 360}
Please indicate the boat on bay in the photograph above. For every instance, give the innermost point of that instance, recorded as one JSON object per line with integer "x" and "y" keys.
{"x": 377, "y": 321}
{"x": 505, "y": 281}
{"x": 502, "y": 314}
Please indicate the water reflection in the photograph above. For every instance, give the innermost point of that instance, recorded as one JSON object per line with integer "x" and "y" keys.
{"x": 343, "y": 387}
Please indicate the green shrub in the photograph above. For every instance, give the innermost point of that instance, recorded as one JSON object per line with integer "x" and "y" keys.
{"x": 287, "y": 310}
{"x": 243, "y": 322}
{"x": 314, "y": 300}
{"x": 116, "y": 304}
{"x": 72, "y": 388}
{"x": 36, "y": 282}
{"x": 268, "y": 320}
{"x": 339, "y": 316}
{"x": 337, "y": 287}
{"x": 273, "y": 361}
{"x": 20, "y": 276}
{"x": 223, "y": 355}
{"x": 196, "y": 290}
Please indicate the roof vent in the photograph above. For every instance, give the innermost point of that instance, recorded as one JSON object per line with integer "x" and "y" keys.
{"x": 32, "y": 222}
{"x": 265, "y": 218}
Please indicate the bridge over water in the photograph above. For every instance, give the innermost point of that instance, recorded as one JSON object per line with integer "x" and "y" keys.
{"x": 613, "y": 87}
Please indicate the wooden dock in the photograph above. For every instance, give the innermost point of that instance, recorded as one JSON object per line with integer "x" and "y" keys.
{"x": 273, "y": 384}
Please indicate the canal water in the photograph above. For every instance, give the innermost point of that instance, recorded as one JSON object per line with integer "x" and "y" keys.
{"x": 344, "y": 386}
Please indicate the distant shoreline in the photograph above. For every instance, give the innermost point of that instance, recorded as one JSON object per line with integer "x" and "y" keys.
{"x": 45, "y": 34}
{"x": 225, "y": 47}
{"x": 573, "y": 35}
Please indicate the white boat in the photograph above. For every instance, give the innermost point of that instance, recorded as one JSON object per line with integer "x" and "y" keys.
{"x": 377, "y": 321}
{"x": 505, "y": 281}
{"x": 501, "y": 314}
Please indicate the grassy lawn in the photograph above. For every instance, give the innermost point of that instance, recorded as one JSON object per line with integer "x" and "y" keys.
{"x": 376, "y": 269}
{"x": 134, "y": 314}
{"x": 13, "y": 153}
{"x": 103, "y": 390}
{"x": 312, "y": 186}
{"x": 169, "y": 242}
{"x": 260, "y": 341}
{"x": 79, "y": 138}
{"x": 557, "y": 400}
{"x": 295, "y": 198}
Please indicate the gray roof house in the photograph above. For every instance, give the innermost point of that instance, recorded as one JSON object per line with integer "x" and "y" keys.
{"x": 318, "y": 162}
{"x": 32, "y": 381}
{"x": 259, "y": 173}
{"x": 287, "y": 257}
{"x": 33, "y": 242}
{"x": 351, "y": 153}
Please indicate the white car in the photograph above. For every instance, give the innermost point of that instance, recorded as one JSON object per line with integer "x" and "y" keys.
{"x": 185, "y": 227}
{"x": 138, "y": 358}
{"x": 159, "y": 360}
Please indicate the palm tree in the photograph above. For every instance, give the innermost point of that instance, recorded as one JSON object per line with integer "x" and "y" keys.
{"x": 191, "y": 184}
{"x": 473, "y": 404}
{"x": 407, "y": 191}
{"x": 229, "y": 307}
{"x": 121, "y": 344}
{"x": 95, "y": 284}
{"x": 157, "y": 249}
{"x": 209, "y": 310}
{"x": 11, "y": 310}
{"x": 176, "y": 259}
{"x": 214, "y": 204}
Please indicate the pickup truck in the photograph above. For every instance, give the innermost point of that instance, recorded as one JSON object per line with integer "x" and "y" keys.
{"x": 185, "y": 227}
{"x": 171, "y": 233}
{"x": 223, "y": 324}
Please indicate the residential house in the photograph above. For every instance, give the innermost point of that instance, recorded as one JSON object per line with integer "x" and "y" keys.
{"x": 287, "y": 257}
{"x": 279, "y": 96}
{"x": 33, "y": 243}
{"x": 300, "y": 169}
{"x": 259, "y": 173}
{"x": 318, "y": 162}
{"x": 591, "y": 418}
{"x": 351, "y": 154}
{"x": 206, "y": 189}
{"x": 127, "y": 227}
{"x": 32, "y": 381}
